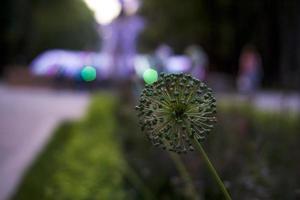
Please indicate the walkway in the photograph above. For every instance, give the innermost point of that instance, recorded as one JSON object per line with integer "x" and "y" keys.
{"x": 267, "y": 101}
{"x": 27, "y": 119}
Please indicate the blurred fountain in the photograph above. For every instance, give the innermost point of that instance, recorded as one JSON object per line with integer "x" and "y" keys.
{"x": 120, "y": 38}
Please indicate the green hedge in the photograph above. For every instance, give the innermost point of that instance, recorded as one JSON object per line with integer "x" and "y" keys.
{"x": 256, "y": 153}
{"x": 82, "y": 161}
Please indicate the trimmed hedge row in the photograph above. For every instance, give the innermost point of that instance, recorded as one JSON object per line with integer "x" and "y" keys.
{"x": 82, "y": 161}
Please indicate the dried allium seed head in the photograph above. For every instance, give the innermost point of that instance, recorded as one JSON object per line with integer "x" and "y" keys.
{"x": 176, "y": 109}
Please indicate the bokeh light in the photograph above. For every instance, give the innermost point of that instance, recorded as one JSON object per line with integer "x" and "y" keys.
{"x": 141, "y": 64}
{"x": 131, "y": 6}
{"x": 88, "y": 73}
{"x": 150, "y": 76}
{"x": 105, "y": 10}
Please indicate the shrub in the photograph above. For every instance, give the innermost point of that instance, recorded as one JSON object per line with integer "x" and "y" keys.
{"x": 82, "y": 161}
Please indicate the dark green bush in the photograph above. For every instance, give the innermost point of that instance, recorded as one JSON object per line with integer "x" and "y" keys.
{"x": 256, "y": 153}
{"x": 82, "y": 161}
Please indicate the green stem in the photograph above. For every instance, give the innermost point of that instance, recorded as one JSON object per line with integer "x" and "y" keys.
{"x": 212, "y": 170}
{"x": 137, "y": 182}
{"x": 191, "y": 190}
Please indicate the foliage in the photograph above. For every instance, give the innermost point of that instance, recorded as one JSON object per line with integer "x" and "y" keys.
{"x": 31, "y": 27}
{"x": 82, "y": 161}
{"x": 74, "y": 29}
{"x": 161, "y": 16}
{"x": 256, "y": 153}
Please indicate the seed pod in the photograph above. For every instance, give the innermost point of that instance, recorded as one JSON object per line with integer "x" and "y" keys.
{"x": 176, "y": 109}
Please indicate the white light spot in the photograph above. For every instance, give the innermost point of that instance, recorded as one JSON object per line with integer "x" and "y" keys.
{"x": 105, "y": 10}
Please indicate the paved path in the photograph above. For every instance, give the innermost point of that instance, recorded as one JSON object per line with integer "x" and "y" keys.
{"x": 267, "y": 101}
{"x": 27, "y": 119}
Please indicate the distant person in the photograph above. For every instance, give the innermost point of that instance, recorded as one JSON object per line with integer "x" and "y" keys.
{"x": 119, "y": 41}
{"x": 250, "y": 70}
{"x": 199, "y": 60}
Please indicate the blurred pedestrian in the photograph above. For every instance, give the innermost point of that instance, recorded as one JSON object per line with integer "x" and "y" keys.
{"x": 250, "y": 70}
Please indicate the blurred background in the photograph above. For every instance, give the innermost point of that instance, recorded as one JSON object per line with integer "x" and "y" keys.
{"x": 71, "y": 72}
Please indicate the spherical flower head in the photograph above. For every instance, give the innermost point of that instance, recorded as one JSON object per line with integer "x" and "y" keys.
{"x": 176, "y": 109}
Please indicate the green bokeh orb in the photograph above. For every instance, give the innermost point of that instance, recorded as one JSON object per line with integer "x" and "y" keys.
{"x": 150, "y": 76}
{"x": 88, "y": 73}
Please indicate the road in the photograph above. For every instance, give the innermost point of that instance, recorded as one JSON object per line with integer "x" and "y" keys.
{"x": 27, "y": 119}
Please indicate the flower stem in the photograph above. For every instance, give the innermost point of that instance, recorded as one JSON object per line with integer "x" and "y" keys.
{"x": 212, "y": 170}
{"x": 191, "y": 190}
{"x": 137, "y": 182}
